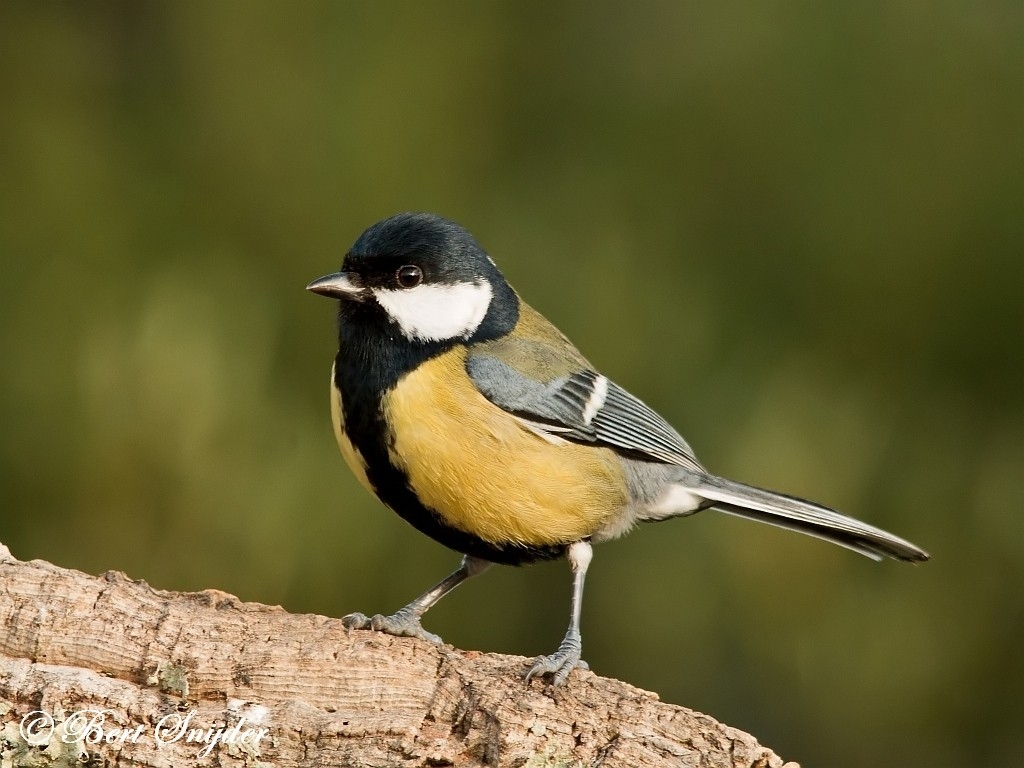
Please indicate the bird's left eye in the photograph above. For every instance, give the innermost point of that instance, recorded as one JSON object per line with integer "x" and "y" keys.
{"x": 409, "y": 276}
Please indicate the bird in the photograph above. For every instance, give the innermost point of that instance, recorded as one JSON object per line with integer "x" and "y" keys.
{"x": 471, "y": 416}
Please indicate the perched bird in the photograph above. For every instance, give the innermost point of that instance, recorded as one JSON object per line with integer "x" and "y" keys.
{"x": 478, "y": 422}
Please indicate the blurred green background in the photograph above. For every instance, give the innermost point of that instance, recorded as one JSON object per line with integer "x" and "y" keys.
{"x": 797, "y": 230}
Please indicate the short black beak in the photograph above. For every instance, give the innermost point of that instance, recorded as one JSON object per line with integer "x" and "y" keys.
{"x": 339, "y": 285}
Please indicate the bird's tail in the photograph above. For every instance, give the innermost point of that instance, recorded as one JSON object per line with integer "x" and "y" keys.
{"x": 805, "y": 517}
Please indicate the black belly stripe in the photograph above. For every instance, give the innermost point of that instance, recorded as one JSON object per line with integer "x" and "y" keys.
{"x": 363, "y": 379}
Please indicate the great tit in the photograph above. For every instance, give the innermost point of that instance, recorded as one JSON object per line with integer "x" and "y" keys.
{"x": 478, "y": 422}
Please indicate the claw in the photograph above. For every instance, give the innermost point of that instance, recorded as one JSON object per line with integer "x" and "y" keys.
{"x": 355, "y": 621}
{"x": 560, "y": 663}
{"x": 403, "y": 623}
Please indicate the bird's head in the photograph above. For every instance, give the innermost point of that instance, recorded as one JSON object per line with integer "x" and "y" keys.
{"x": 426, "y": 276}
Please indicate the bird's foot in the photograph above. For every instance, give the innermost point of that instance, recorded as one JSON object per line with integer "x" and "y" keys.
{"x": 560, "y": 663}
{"x": 402, "y": 623}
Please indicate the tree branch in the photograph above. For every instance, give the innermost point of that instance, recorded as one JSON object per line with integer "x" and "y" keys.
{"x": 163, "y": 671}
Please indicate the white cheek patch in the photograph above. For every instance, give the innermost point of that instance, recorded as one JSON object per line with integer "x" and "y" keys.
{"x": 436, "y": 312}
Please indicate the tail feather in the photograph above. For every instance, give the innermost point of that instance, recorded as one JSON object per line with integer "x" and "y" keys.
{"x": 804, "y": 516}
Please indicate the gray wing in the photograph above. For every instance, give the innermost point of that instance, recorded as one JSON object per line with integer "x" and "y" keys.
{"x": 584, "y": 407}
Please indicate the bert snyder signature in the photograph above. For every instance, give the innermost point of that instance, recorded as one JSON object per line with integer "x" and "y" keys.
{"x": 92, "y": 726}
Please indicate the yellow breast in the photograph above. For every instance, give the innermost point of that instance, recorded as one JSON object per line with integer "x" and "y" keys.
{"x": 488, "y": 475}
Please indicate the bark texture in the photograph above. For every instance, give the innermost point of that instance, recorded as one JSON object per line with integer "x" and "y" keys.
{"x": 121, "y": 674}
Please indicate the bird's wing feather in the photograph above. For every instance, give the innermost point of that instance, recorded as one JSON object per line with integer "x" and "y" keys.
{"x": 582, "y": 406}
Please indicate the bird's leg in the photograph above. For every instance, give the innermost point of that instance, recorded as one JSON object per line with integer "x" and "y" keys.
{"x": 406, "y": 621}
{"x": 567, "y": 657}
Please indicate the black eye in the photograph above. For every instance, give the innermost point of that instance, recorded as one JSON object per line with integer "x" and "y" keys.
{"x": 409, "y": 276}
